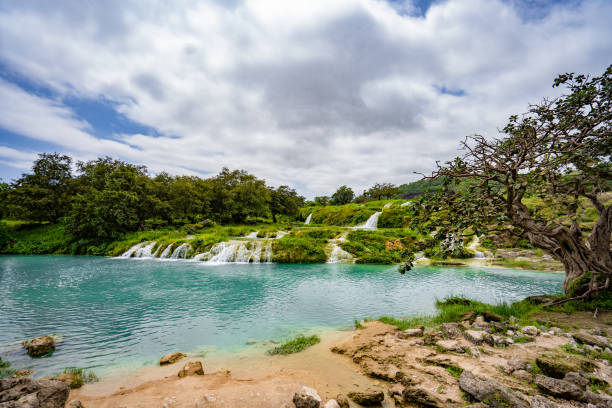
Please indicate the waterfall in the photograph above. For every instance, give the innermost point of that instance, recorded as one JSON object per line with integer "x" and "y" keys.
{"x": 388, "y": 205}
{"x": 252, "y": 235}
{"x": 181, "y": 251}
{"x": 338, "y": 254}
{"x": 145, "y": 251}
{"x": 307, "y": 222}
{"x": 404, "y": 204}
{"x": 237, "y": 252}
{"x": 371, "y": 223}
{"x": 166, "y": 252}
{"x": 130, "y": 252}
{"x": 280, "y": 234}
{"x": 477, "y": 253}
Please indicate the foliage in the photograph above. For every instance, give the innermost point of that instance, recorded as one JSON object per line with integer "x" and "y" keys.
{"x": 296, "y": 345}
{"x": 380, "y": 191}
{"x": 285, "y": 201}
{"x": 343, "y": 195}
{"x": 294, "y": 249}
{"x": 80, "y": 376}
{"x": 381, "y": 247}
{"x": 5, "y": 370}
{"x": 321, "y": 200}
{"x": 558, "y": 152}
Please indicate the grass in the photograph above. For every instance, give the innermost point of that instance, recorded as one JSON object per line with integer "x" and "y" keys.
{"x": 81, "y": 376}
{"x": 296, "y": 345}
{"x": 454, "y": 309}
{"x": 5, "y": 371}
{"x": 454, "y": 371}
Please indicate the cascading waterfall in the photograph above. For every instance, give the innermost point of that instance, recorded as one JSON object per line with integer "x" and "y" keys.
{"x": 252, "y": 235}
{"x": 338, "y": 254}
{"x": 477, "y": 253}
{"x": 388, "y": 205}
{"x": 404, "y": 204}
{"x": 145, "y": 251}
{"x": 166, "y": 252}
{"x": 237, "y": 252}
{"x": 280, "y": 234}
{"x": 181, "y": 251}
{"x": 371, "y": 223}
{"x": 132, "y": 251}
{"x": 307, "y": 222}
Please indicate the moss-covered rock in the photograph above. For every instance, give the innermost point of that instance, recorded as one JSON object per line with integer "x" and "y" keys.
{"x": 557, "y": 365}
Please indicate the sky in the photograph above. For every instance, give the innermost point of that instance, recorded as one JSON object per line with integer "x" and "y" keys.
{"x": 310, "y": 93}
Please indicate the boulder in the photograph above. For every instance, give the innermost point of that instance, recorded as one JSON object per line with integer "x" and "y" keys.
{"x": 516, "y": 363}
{"x": 490, "y": 391}
{"x": 557, "y": 365}
{"x": 430, "y": 336}
{"x": 343, "y": 401}
{"x": 332, "y": 403}
{"x": 368, "y": 398}
{"x": 492, "y": 317}
{"x": 522, "y": 375}
{"x": 451, "y": 345}
{"x": 576, "y": 378}
{"x": 530, "y": 331}
{"x": 599, "y": 400}
{"x": 191, "y": 368}
{"x": 422, "y": 396}
{"x": 22, "y": 373}
{"x": 558, "y": 388}
{"x": 542, "y": 402}
{"x": 475, "y": 336}
{"x": 171, "y": 358}
{"x": 29, "y": 393}
{"x": 39, "y": 346}
{"x": 413, "y": 332}
{"x": 480, "y": 323}
{"x": 301, "y": 400}
{"x": 75, "y": 404}
{"x": 451, "y": 330}
{"x": 311, "y": 392}
{"x": 584, "y": 338}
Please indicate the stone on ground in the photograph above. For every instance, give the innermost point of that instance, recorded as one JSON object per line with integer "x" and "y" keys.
{"x": 558, "y": 388}
{"x": 171, "y": 358}
{"x": 39, "y": 346}
{"x": 191, "y": 368}
{"x": 369, "y": 397}
{"x": 29, "y": 393}
{"x": 490, "y": 391}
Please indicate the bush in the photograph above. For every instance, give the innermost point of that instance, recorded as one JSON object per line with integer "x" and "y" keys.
{"x": 296, "y": 345}
{"x": 80, "y": 376}
{"x": 292, "y": 249}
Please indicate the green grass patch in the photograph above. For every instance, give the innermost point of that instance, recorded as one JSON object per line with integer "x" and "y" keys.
{"x": 80, "y": 376}
{"x": 5, "y": 370}
{"x": 454, "y": 371}
{"x": 296, "y": 345}
{"x": 291, "y": 249}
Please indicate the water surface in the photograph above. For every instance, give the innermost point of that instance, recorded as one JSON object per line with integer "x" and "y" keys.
{"x": 113, "y": 313}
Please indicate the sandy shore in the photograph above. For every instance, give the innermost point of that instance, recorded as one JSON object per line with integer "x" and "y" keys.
{"x": 247, "y": 378}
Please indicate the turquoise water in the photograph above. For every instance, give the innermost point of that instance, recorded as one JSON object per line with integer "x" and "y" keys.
{"x": 116, "y": 312}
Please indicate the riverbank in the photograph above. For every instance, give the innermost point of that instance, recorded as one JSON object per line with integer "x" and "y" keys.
{"x": 407, "y": 367}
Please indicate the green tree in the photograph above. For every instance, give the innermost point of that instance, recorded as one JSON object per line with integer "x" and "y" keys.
{"x": 116, "y": 197}
{"x": 343, "y": 195}
{"x": 559, "y": 151}
{"x": 321, "y": 200}
{"x": 44, "y": 194}
{"x": 381, "y": 191}
{"x": 285, "y": 201}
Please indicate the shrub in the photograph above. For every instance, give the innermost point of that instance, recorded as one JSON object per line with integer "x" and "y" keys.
{"x": 296, "y": 345}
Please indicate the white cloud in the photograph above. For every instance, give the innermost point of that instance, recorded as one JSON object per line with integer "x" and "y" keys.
{"x": 314, "y": 94}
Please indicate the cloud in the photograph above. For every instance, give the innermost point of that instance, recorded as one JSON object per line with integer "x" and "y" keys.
{"x": 312, "y": 94}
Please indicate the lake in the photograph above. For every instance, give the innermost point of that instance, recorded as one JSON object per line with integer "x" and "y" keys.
{"x": 115, "y": 313}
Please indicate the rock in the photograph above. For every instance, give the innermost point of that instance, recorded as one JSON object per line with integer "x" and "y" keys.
{"x": 480, "y": 323}
{"x": 39, "y": 346}
{"x": 576, "y": 378}
{"x": 29, "y": 393}
{"x": 343, "y": 401}
{"x": 557, "y": 365}
{"x": 542, "y": 402}
{"x": 516, "y": 363}
{"x": 311, "y": 392}
{"x": 171, "y": 358}
{"x": 430, "y": 336}
{"x": 422, "y": 396}
{"x": 369, "y": 397}
{"x": 191, "y": 368}
{"x": 555, "y": 330}
{"x": 332, "y": 403}
{"x": 558, "y": 388}
{"x": 22, "y": 373}
{"x": 499, "y": 340}
{"x": 474, "y": 336}
{"x": 583, "y": 338}
{"x": 522, "y": 375}
{"x": 530, "y": 331}
{"x": 451, "y": 345}
{"x": 450, "y": 330}
{"x": 492, "y": 317}
{"x": 599, "y": 400}
{"x": 490, "y": 391}
{"x": 510, "y": 333}
{"x": 413, "y": 332}
{"x": 301, "y": 400}
{"x": 75, "y": 404}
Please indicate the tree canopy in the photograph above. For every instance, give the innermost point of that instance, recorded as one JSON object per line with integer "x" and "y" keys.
{"x": 559, "y": 152}
{"x": 343, "y": 195}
